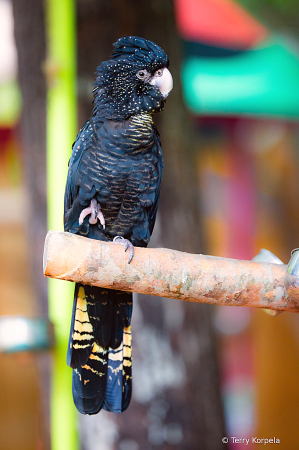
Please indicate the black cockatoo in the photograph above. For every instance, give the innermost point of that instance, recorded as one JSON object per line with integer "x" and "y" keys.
{"x": 112, "y": 194}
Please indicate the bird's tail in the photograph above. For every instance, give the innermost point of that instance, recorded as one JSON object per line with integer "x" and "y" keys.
{"x": 100, "y": 350}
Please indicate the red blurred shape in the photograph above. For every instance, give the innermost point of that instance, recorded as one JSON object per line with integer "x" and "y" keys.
{"x": 221, "y": 23}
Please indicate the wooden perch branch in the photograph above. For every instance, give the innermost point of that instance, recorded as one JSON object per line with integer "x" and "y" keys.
{"x": 167, "y": 273}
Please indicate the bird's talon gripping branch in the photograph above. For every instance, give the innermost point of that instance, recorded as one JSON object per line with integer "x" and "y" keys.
{"x": 127, "y": 244}
{"x": 94, "y": 209}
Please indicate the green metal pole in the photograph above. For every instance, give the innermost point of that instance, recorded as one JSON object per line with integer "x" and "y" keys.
{"x": 61, "y": 132}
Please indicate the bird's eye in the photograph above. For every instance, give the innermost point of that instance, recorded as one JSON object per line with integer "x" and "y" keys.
{"x": 159, "y": 73}
{"x": 141, "y": 74}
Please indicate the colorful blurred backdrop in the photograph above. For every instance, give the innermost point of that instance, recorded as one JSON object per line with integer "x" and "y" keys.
{"x": 236, "y": 70}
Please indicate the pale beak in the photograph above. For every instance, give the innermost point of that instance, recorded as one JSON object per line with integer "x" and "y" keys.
{"x": 163, "y": 82}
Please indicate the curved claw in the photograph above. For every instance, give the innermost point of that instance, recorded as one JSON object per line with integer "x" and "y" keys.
{"x": 127, "y": 245}
{"x": 100, "y": 216}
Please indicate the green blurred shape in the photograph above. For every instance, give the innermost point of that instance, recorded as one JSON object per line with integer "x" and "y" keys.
{"x": 10, "y": 103}
{"x": 260, "y": 82}
{"x": 60, "y": 69}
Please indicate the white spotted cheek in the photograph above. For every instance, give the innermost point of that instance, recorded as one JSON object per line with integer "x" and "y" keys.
{"x": 164, "y": 83}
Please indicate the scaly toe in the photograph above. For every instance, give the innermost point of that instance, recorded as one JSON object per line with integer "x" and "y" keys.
{"x": 85, "y": 212}
{"x": 127, "y": 245}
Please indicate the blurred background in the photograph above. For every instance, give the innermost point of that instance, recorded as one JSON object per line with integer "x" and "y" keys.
{"x": 230, "y": 136}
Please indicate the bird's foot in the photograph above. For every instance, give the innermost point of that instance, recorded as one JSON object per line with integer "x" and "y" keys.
{"x": 127, "y": 244}
{"x": 94, "y": 209}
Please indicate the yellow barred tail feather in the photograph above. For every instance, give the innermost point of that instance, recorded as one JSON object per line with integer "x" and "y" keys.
{"x": 119, "y": 376}
{"x": 89, "y": 382}
{"x": 100, "y": 349}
